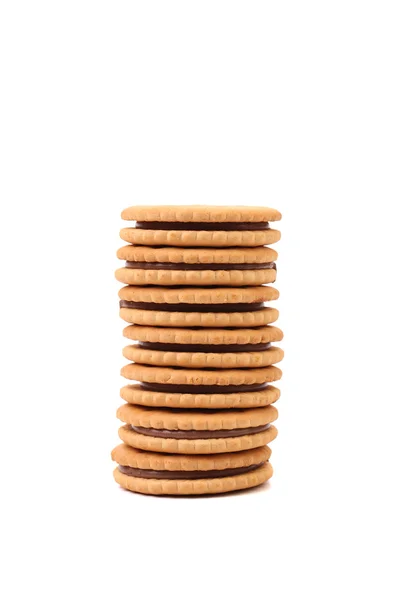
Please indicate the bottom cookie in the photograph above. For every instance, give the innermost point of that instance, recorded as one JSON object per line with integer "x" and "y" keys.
{"x": 158, "y": 474}
{"x": 190, "y": 487}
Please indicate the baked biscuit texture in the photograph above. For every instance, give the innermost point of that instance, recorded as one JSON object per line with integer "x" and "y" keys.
{"x": 197, "y": 256}
{"x": 201, "y": 214}
{"x": 139, "y": 459}
{"x": 178, "y": 335}
{"x": 256, "y": 318}
{"x": 195, "y": 486}
{"x": 185, "y": 420}
{"x": 233, "y": 277}
{"x": 203, "y": 360}
{"x": 197, "y": 377}
{"x": 193, "y": 239}
{"x": 198, "y": 295}
{"x": 197, "y": 446}
{"x": 124, "y": 455}
{"x": 200, "y": 421}
{"x": 134, "y": 394}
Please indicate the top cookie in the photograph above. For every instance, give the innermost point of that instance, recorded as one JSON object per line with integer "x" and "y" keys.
{"x": 201, "y": 214}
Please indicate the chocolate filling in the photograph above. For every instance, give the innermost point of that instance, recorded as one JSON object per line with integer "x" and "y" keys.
{"x": 202, "y": 389}
{"x": 184, "y": 307}
{"x": 194, "y": 434}
{"x": 204, "y": 347}
{"x": 202, "y": 226}
{"x": 198, "y": 267}
{"x": 151, "y": 474}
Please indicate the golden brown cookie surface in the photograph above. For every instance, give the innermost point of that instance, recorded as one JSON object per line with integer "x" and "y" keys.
{"x": 255, "y": 318}
{"x": 198, "y": 295}
{"x": 196, "y": 486}
{"x": 220, "y": 379}
{"x": 132, "y": 457}
{"x": 198, "y": 307}
{"x": 197, "y": 420}
{"x": 201, "y": 214}
{"x": 196, "y": 446}
{"x": 204, "y": 336}
{"x": 207, "y": 239}
{"x": 141, "y": 468}
{"x": 134, "y": 394}
{"x": 231, "y": 277}
{"x": 196, "y": 431}
{"x": 200, "y": 360}
{"x": 197, "y": 256}
{"x": 196, "y": 266}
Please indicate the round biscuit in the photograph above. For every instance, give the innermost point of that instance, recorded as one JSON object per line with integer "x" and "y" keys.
{"x": 172, "y": 335}
{"x": 194, "y": 486}
{"x": 139, "y": 459}
{"x": 255, "y": 318}
{"x": 201, "y": 214}
{"x": 193, "y": 239}
{"x": 197, "y": 377}
{"x": 203, "y": 360}
{"x": 205, "y": 446}
{"x": 198, "y": 295}
{"x": 197, "y": 256}
{"x": 198, "y": 420}
{"x": 233, "y": 277}
{"x": 135, "y": 394}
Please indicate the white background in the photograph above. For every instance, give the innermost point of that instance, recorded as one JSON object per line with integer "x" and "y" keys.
{"x": 294, "y": 105}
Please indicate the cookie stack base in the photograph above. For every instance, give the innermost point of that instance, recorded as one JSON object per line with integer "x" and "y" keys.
{"x": 188, "y": 487}
{"x": 190, "y": 475}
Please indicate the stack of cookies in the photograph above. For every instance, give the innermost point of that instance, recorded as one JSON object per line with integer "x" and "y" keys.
{"x": 198, "y": 415}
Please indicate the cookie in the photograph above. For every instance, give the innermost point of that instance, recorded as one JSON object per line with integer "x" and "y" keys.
{"x": 198, "y": 381}
{"x": 196, "y": 431}
{"x": 198, "y": 307}
{"x": 202, "y": 214}
{"x": 196, "y": 266}
{"x": 203, "y": 340}
{"x": 255, "y": 318}
{"x": 193, "y": 239}
{"x": 154, "y": 443}
{"x": 196, "y": 424}
{"x": 157, "y": 473}
{"x": 201, "y": 258}
{"x": 133, "y": 276}
{"x": 135, "y": 394}
{"x": 194, "y": 487}
{"x": 243, "y": 299}
{"x": 203, "y": 360}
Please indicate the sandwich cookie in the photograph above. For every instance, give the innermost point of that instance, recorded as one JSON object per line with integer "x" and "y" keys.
{"x": 196, "y": 431}
{"x": 200, "y": 226}
{"x": 198, "y": 307}
{"x": 156, "y": 473}
{"x": 199, "y": 348}
{"x": 196, "y": 266}
{"x": 135, "y": 394}
{"x": 198, "y": 381}
{"x": 217, "y": 348}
